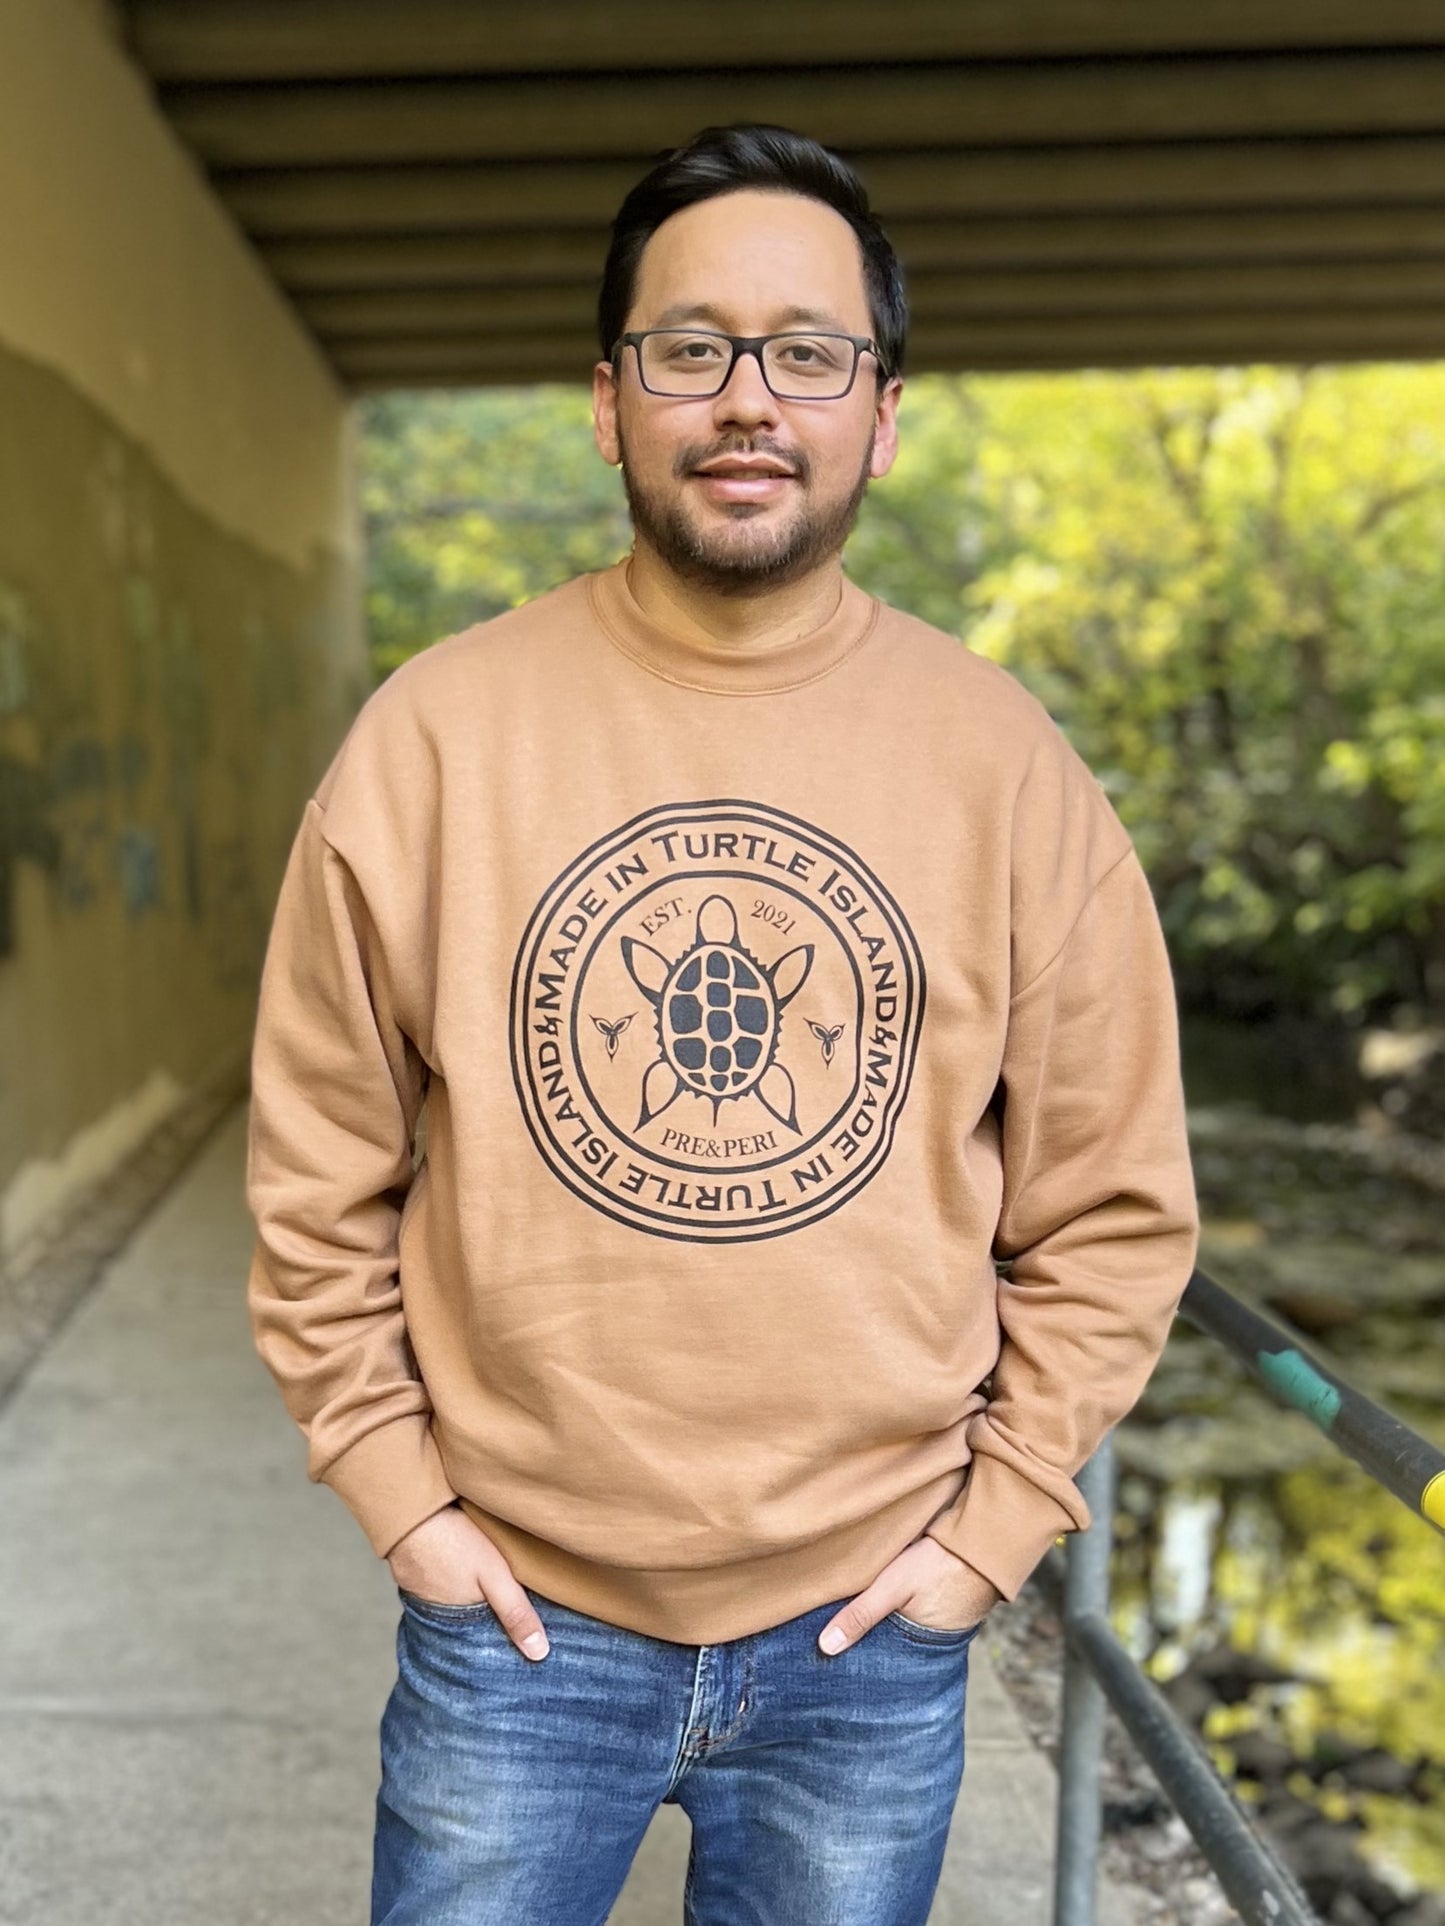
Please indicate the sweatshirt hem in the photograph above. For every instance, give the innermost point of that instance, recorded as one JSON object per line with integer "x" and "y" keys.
{"x": 707, "y": 1604}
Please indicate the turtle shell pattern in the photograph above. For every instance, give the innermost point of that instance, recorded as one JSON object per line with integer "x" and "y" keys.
{"x": 718, "y": 1010}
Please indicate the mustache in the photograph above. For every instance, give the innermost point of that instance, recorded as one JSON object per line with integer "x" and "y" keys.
{"x": 697, "y": 452}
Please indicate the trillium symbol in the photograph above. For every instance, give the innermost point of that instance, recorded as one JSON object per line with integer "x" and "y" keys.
{"x": 612, "y": 1031}
{"x": 826, "y": 1036}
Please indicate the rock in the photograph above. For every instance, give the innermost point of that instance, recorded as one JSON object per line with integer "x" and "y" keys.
{"x": 1346, "y": 1910}
{"x": 1426, "y": 1910}
{"x": 1203, "y": 1904}
{"x": 1396, "y": 1053}
{"x": 1325, "y": 1862}
{"x": 1322, "y": 1859}
{"x": 1141, "y": 1809}
{"x": 1199, "y": 1447}
{"x": 1381, "y": 1898}
{"x": 1257, "y": 1756}
{"x": 1232, "y": 1674}
{"x": 1333, "y": 1752}
{"x": 1343, "y": 1272}
{"x": 1189, "y": 1697}
{"x": 1380, "y": 1771}
{"x": 1402, "y": 1068}
{"x": 1312, "y": 1313}
{"x": 1282, "y": 1814}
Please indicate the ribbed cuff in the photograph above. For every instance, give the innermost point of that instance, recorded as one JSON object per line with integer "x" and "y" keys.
{"x": 1001, "y": 1523}
{"x": 391, "y": 1479}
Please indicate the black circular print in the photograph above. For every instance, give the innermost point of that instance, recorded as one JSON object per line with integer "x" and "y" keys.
{"x": 714, "y": 1016}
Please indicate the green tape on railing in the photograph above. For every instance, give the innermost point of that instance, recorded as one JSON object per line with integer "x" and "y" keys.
{"x": 1297, "y": 1381}
{"x": 1432, "y": 1499}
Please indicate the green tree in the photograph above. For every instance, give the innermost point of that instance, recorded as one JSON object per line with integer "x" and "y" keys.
{"x": 1225, "y": 584}
{"x": 476, "y": 501}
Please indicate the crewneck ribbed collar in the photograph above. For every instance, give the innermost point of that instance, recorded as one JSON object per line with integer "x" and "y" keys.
{"x": 726, "y": 671}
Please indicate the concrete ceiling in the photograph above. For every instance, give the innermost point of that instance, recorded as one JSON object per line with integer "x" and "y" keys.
{"x": 1070, "y": 182}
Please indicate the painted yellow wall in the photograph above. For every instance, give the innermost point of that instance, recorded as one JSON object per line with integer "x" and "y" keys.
{"x": 181, "y": 640}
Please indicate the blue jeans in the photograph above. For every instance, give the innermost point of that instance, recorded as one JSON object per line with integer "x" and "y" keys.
{"x": 515, "y": 1792}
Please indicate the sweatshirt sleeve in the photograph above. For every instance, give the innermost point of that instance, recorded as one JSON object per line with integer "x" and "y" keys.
{"x": 1098, "y": 1222}
{"x": 336, "y": 1095}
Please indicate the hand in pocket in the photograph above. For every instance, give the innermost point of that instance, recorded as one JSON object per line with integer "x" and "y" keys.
{"x": 447, "y": 1560}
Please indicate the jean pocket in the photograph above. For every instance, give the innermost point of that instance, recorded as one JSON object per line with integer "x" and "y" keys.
{"x": 437, "y": 1608}
{"x": 921, "y": 1634}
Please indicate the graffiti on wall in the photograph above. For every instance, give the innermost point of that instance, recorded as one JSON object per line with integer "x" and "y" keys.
{"x": 166, "y": 693}
{"x": 26, "y": 831}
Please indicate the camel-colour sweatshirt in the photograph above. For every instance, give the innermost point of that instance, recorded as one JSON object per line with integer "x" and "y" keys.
{"x": 805, "y": 1165}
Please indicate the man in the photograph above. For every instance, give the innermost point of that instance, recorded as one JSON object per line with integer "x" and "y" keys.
{"x": 769, "y": 966}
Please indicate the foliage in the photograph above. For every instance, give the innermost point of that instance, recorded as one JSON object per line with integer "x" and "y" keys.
{"x": 1225, "y": 584}
{"x": 475, "y": 502}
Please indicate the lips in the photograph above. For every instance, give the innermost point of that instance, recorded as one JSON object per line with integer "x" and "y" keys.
{"x": 742, "y": 480}
{"x": 736, "y": 468}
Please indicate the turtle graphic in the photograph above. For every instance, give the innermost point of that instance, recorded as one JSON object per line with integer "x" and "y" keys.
{"x": 719, "y": 1010}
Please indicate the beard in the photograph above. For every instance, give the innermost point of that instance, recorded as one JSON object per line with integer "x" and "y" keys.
{"x": 738, "y": 558}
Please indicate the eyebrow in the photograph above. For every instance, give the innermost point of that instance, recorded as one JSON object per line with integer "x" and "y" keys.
{"x": 705, "y": 311}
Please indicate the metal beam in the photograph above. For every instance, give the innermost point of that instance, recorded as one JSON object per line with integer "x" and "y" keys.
{"x": 1174, "y": 339}
{"x": 1116, "y": 340}
{"x": 1069, "y": 182}
{"x": 334, "y": 317}
{"x": 480, "y": 259}
{"x": 343, "y": 200}
{"x": 958, "y": 185}
{"x": 1321, "y": 286}
{"x": 219, "y": 40}
{"x": 934, "y": 297}
{"x": 507, "y": 257}
{"x": 887, "y": 108}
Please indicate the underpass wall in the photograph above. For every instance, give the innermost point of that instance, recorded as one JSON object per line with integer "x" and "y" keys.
{"x": 181, "y": 638}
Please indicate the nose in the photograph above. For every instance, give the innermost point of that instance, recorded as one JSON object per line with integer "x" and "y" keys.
{"x": 747, "y": 400}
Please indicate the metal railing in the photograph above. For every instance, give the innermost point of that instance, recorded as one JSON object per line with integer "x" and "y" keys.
{"x": 1098, "y": 1666}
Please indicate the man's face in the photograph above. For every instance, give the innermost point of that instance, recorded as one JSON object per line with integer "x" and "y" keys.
{"x": 741, "y": 492}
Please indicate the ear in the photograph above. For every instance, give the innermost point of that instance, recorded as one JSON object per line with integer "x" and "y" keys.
{"x": 885, "y": 428}
{"x": 604, "y": 413}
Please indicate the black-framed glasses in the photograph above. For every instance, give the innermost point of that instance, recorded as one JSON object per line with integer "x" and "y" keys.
{"x": 695, "y": 363}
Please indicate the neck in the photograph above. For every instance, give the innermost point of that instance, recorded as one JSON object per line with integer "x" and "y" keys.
{"x": 741, "y": 622}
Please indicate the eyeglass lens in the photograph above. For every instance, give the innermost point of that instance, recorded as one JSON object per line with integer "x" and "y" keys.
{"x": 688, "y": 362}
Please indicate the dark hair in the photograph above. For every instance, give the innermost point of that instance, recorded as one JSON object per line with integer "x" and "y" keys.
{"x": 720, "y": 160}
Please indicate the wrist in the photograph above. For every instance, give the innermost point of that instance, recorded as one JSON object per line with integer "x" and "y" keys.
{"x": 404, "y": 1542}
{"x": 972, "y": 1570}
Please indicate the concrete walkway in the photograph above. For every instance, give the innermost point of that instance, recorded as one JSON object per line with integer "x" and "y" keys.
{"x": 196, "y": 1644}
